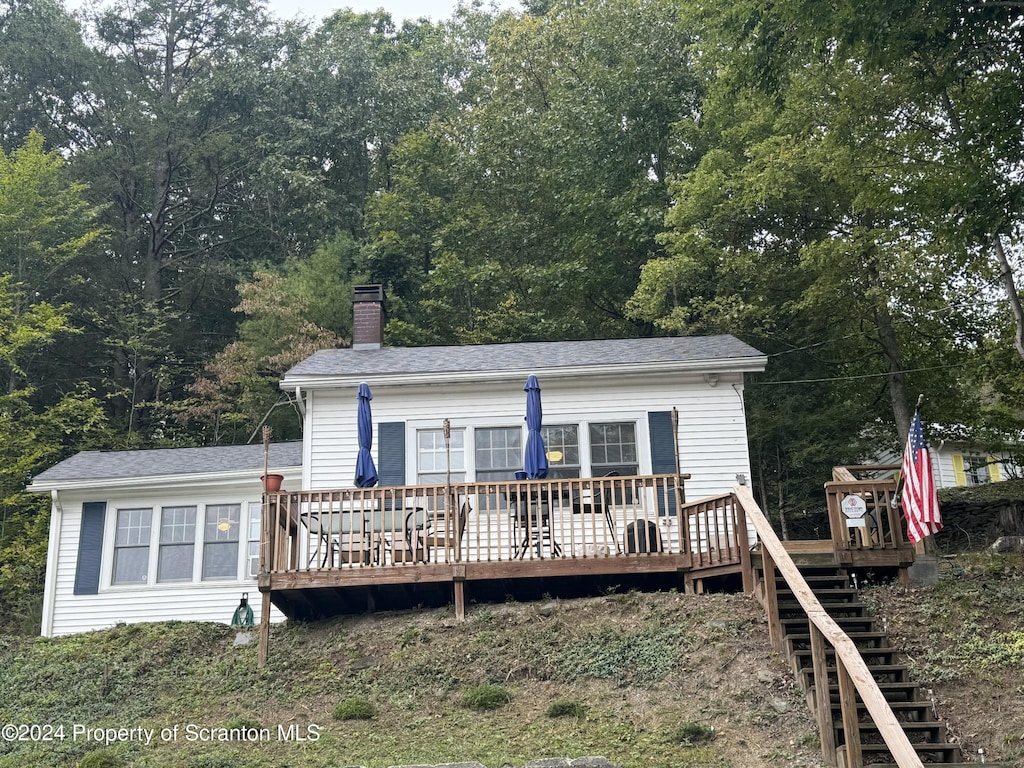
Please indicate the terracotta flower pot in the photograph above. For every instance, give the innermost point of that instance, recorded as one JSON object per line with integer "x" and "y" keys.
{"x": 272, "y": 483}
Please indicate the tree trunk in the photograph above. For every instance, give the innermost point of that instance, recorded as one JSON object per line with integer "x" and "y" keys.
{"x": 896, "y": 379}
{"x": 1006, "y": 275}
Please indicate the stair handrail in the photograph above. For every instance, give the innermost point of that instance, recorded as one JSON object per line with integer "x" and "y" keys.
{"x": 848, "y": 658}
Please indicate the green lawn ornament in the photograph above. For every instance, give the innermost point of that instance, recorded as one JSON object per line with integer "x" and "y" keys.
{"x": 243, "y": 613}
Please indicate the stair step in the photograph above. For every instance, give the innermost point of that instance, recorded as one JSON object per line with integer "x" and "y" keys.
{"x": 906, "y": 691}
{"x": 871, "y": 639}
{"x": 918, "y": 732}
{"x": 796, "y": 610}
{"x": 905, "y": 711}
{"x": 846, "y": 623}
{"x": 899, "y": 672}
{"x": 870, "y": 656}
{"x": 816, "y": 582}
{"x": 822, "y": 593}
{"x": 944, "y": 751}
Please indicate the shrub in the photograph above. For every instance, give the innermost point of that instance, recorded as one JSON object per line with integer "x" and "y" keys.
{"x": 691, "y": 733}
{"x": 566, "y": 709}
{"x": 485, "y": 697}
{"x": 102, "y": 758}
{"x": 355, "y": 708}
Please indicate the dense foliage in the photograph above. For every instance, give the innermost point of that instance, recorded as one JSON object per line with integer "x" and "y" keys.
{"x": 188, "y": 191}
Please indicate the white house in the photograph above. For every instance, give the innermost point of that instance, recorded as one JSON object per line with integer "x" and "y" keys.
{"x": 958, "y": 464}
{"x": 164, "y": 534}
{"x": 156, "y": 534}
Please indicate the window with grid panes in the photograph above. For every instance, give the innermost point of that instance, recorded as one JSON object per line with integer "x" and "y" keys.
{"x": 432, "y": 456}
{"x": 177, "y": 544}
{"x": 562, "y": 443}
{"x": 131, "y": 546}
{"x": 220, "y": 541}
{"x": 498, "y": 452}
{"x": 613, "y": 448}
{"x": 252, "y": 568}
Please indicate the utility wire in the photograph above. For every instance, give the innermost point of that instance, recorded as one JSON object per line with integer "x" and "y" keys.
{"x": 859, "y": 376}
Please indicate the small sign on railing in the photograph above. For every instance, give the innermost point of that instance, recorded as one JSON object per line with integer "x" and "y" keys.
{"x": 854, "y": 508}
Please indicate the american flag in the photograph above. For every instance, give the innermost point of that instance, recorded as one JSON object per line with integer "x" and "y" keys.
{"x": 920, "y": 504}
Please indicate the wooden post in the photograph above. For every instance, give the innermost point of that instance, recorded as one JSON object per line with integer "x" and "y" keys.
{"x": 851, "y": 723}
{"x": 822, "y": 700}
{"x": 771, "y": 601}
{"x": 743, "y": 542}
{"x": 459, "y": 579}
{"x": 263, "y": 646}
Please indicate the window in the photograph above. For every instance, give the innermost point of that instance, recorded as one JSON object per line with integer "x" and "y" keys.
{"x": 131, "y": 546}
{"x": 562, "y": 442}
{"x": 220, "y": 541}
{"x": 976, "y": 469}
{"x": 252, "y": 569}
{"x": 177, "y": 544}
{"x": 498, "y": 453}
{"x": 613, "y": 449}
{"x": 432, "y": 456}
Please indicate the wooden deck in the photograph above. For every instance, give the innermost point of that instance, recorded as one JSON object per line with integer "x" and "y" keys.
{"x": 327, "y": 552}
{"x": 317, "y": 545}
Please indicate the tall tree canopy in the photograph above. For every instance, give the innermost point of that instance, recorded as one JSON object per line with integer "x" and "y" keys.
{"x": 188, "y": 191}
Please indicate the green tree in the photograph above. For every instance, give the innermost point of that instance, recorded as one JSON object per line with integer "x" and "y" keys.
{"x": 528, "y": 213}
{"x": 790, "y": 232}
{"x": 286, "y": 319}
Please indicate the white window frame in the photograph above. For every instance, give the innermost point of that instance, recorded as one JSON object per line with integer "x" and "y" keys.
{"x": 135, "y": 541}
{"x": 249, "y": 513}
{"x": 437, "y": 471}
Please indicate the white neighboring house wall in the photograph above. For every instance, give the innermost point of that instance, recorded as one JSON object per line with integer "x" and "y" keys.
{"x": 109, "y": 604}
{"x": 958, "y": 465}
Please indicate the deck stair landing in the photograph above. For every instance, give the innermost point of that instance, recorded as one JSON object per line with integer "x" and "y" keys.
{"x": 912, "y": 706}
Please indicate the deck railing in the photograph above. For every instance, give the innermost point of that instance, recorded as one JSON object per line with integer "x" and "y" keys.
{"x": 488, "y": 522}
{"x": 864, "y": 515}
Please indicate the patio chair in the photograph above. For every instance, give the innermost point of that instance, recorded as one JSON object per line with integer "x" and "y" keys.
{"x": 448, "y": 538}
{"x": 595, "y": 502}
{"x": 407, "y": 545}
{"x": 342, "y": 538}
{"x": 531, "y": 517}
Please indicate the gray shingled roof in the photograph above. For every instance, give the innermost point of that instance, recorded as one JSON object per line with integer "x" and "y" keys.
{"x": 533, "y": 355}
{"x": 158, "y": 462}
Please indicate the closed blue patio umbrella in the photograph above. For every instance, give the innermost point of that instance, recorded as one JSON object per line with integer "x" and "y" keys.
{"x": 366, "y": 472}
{"x": 535, "y": 462}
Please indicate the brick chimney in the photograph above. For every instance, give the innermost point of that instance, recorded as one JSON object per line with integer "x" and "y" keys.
{"x": 367, "y": 316}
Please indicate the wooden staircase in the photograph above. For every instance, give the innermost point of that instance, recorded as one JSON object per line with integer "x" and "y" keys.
{"x": 913, "y": 708}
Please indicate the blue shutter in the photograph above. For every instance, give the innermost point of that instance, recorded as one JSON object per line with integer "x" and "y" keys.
{"x": 663, "y": 454}
{"x": 90, "y": 548}
{"x": 391, "y": 452}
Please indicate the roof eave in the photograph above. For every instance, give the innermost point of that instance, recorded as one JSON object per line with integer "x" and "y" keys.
{"x": 753, "y": 364}
{"x": 234, "y": 477}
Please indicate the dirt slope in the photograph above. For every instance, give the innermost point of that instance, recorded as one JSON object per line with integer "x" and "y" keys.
{"x": 644, "y": 678}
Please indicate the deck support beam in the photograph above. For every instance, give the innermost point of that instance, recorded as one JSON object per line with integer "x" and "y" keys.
{"x": 459, "y": 586}
{"x": 263, "y": 645}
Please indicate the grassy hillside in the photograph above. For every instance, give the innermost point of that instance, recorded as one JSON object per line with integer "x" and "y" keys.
{"x": 643, "y": 679}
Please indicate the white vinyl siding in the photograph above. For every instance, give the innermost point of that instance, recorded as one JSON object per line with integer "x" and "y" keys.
{"x": 128, "y": 603}
{"x": 712, "y": 429}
